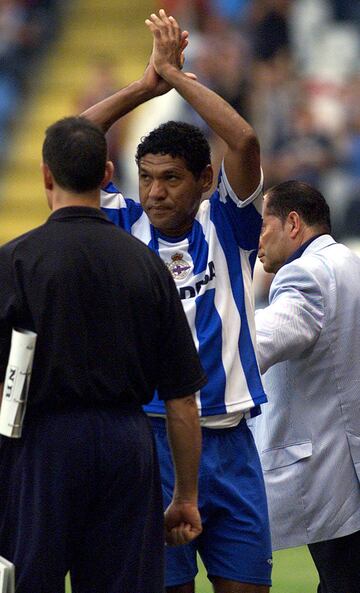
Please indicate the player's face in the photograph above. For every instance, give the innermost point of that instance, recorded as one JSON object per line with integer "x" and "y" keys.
{"x": 274, "y": 245}
{"x": 169, "y": 192}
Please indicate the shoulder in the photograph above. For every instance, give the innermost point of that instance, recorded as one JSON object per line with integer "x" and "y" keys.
{"x": 123, "y": 212}
{"x": 138, "y": 248}
{"x": 111, "y": 198}
{"x": 8, "y": 249}
{"x": 241, "y": 215}
{"x": 304, "y": 275}
{"x": 313, "y": 264}
{"x": 334, "y": 254}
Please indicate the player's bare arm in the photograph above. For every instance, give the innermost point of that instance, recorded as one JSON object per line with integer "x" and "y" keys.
{"x": 182, "y": 518}
{"x": 242, "y": 159}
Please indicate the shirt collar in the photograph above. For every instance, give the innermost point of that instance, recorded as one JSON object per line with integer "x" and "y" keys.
{"x": 298, "y": 253}
{"x": 77, "y": 212}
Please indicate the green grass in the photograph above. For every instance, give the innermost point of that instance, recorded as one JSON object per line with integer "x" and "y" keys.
{"x": 293, "y": 572}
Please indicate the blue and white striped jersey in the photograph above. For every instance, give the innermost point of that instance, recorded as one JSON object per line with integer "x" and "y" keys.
{"x": 212, "y": 266}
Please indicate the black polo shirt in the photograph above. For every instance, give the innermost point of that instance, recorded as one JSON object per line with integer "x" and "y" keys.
{"x": 110, "y": 325}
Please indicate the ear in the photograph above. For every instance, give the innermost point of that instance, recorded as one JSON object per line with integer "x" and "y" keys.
{"x": 207, "y": 177}
{"x": 47, "y": 177}
{"x": 109, "y": 172}
{"x": 294, "y": 222}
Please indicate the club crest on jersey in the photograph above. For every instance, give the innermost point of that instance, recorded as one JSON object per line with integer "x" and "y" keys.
{"x": 178, "y": 267}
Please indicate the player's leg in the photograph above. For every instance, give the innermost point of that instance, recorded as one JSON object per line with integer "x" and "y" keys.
{"x": 120, "y": 549}
{"x": 221, "y": 586}
{"x": 225, "y": 586}
{"x": 235, "y": 547}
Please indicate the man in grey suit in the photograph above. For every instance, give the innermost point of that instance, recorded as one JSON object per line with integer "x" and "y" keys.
{"x": 309, "y": 349}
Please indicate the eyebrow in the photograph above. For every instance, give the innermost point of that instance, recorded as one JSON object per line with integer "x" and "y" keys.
{"x": 170, "y": 171}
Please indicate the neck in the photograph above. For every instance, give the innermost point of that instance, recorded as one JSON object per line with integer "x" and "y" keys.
{"x": 62, "y": 199}
{"x": 309, "y": 233}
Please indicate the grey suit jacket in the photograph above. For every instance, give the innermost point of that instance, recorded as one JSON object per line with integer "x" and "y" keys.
{"x": 309, "y": 433}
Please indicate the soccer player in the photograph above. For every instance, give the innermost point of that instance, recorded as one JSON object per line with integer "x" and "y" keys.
{"x": 210, "y": 247}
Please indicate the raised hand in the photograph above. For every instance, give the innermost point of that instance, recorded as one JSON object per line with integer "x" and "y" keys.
{"x": 153, "y": 81}
{"x": 169, "y": 41}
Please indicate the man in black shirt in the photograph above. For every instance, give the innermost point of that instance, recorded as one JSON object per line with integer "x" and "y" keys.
{"x": 80, "y": 490}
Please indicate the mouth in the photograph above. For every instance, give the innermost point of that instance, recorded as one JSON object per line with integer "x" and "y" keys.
{"x": 158, "y": 211}
{"x": 158, "y": 208}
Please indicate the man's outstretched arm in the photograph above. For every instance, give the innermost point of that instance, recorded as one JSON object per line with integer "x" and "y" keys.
{"x": 182, "y": 518}
{"x": 242, "y": 159}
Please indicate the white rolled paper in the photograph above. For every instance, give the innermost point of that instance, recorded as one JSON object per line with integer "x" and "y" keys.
{"x": 17, "y": 381}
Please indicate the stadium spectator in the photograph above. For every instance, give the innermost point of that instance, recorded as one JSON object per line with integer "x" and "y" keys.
{"x": 270, "y": 27}
{"x": 80, "y": 490}
{"x": 303, "y": 153}
{"x": 209, "y": 247}
{"x": 308, "y": 347}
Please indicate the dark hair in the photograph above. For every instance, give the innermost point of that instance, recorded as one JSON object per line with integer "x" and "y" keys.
{"x": 177, "y": 139}
{"x": 75, "y": 151}
{"x": 300, "y": 197}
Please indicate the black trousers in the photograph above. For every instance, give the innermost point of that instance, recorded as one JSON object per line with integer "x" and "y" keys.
{"x": 81, "y": 491}
{"x": 338, "y": 564}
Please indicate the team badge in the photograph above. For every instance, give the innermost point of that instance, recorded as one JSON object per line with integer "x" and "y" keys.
{"x": 178, "y": 267}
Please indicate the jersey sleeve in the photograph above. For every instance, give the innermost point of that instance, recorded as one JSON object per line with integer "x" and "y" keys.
{"x": 123, "y": 212}
{"x": 244, "y": 215}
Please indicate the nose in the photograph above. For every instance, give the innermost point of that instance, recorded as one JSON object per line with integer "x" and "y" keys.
{"x": 157, "y": 190}
{"x": 260, "y": 248}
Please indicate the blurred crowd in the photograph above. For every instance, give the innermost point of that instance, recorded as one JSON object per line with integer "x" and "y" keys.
{"x": 26, "y": 27}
